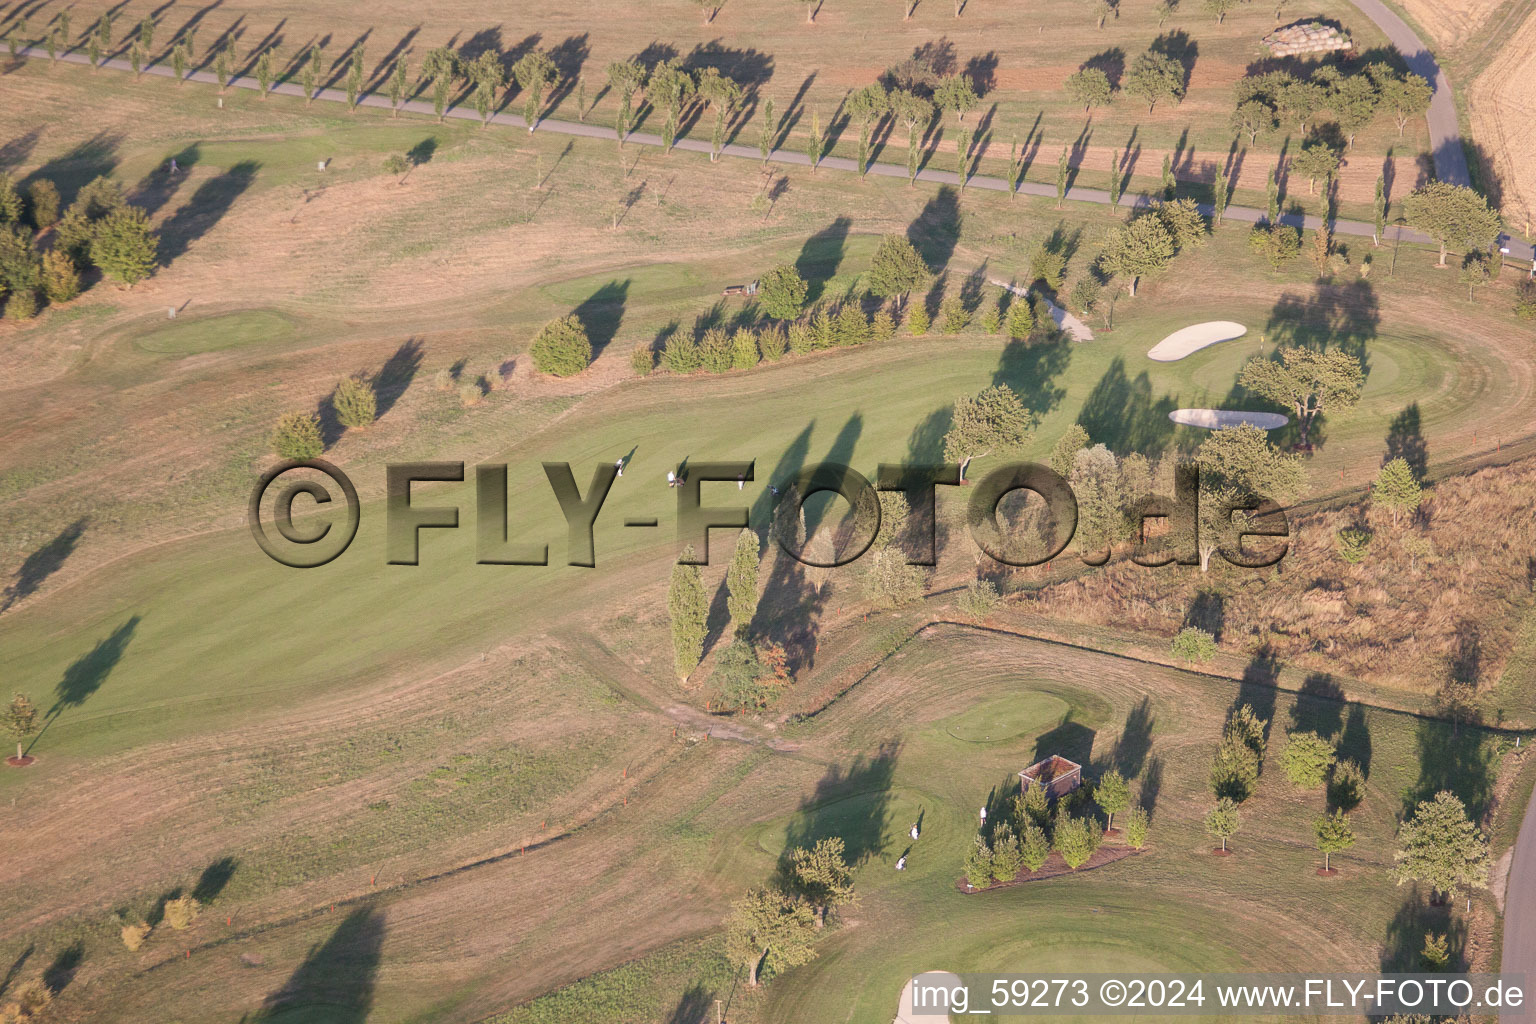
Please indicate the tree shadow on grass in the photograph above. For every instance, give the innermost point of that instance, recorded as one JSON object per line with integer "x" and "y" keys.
{"x": 83, "y": 163}
{"x": 1121, "y": 413}
{"x": 213, "y": 879}
{"x": 1319, "y": 707}
{"x": 1405, "y": 440}
{"x": 1460, "y": 759}
{"x": 936, "y": 230}
{"x": 1072, "y": 740}
{"x": 62, "y": 970}
{"x": 14, "y": 971}
{"x": 821, "y": 256}
{"x": 602, "y": 312}
{"x": 395, "y": 376}
{"x": 43, "y": 563}
{"x": 206, "y": 208}
{"x": 336, "y": 980}
{"x": 84, "y": 677}
{"x": 1415, "y": 919}
{"x": 694, "y": 1005}
{"x": 850, "y": 802}
{"x": 1135, "y": 742}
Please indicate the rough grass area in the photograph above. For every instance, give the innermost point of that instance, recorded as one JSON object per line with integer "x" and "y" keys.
{"x": 1410, "y": 616}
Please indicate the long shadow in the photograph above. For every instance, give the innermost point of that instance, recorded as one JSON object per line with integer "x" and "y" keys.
{"x": 85, "y": 675}
{"x": 1151, "y": 785}
{"x": 336, "y": 980}
{"x": 1208, "y": 611}
{"x": 749, "y": 67}
{"x": 395, "y": 376}
{"x": 602, "y": 312}
{"x": 790, "y": 463}
{"x": 1319, "y": 707}
{"x": 1415, "y": 919}
{"x": 1031, "y": 369}
{"x": 62, "y": 970}
{"x": 42, "y": 563}
{"x": 83, "y": 163}
{"x": 382, "y": 69}
{"x": 1456, "y": 758}
{"x": 14, "y": 153}
{"x": 1072, "y": 740}
{"x": 1181, "y": 47}
{"x": 159, "y": 185}
{"x": 569, "y": 55}
{"x": 818, "y": 506}
{"x": 14, "y": 971}
{"x": 1341, "y": 316}
{"x": 1405, "y": 440}
{"x": 936, "y": 231}
{"x": 1257, "y": 688}
{"x": 694, "y": 1006}
{"x": 213, "y": 879}
{"x": 821, "y": 256}
{"x": 1135, "y": 742}
{"x": 1121, "y": 413}
{"x": 207, "y": 206}
{"x": 1111, "y": 62}
{"x": 852, "y": 803}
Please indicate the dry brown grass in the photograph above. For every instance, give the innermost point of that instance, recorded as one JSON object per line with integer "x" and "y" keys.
{"x": 1450, "y": 24}
{"x": 1410, "y": 623}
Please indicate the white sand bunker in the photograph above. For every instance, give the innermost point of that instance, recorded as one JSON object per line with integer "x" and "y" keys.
{"x": 1192, "y": 339}
{"x": 1215, "y": 419}
{"x": 928, "y": 979}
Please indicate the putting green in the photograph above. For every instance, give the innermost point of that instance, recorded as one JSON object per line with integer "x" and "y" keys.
{"x": 1026, "y": 714}
{"x": 211, "y": 334}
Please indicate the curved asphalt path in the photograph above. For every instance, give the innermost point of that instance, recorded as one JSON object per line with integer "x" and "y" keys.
{"x": 1444, "y": 132}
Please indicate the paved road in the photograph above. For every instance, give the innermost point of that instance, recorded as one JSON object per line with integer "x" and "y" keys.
{"x": 1444, "y": 133}
{"x": 1519, "y": 250}
{"x": 1520, "y": 914}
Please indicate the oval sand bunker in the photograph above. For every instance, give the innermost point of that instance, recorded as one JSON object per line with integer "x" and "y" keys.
{"x": 1192, "y": 339}
{"x": 1215, "y": 419}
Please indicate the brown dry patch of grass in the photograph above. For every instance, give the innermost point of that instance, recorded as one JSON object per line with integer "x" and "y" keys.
{"x": 1450, "y": 24}
{"x": 1395, "y": 620}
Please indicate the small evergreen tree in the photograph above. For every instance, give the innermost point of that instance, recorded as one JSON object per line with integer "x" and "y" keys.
{"x": 1006, "y": 854}
{"x": 1112, "y": 794}
{"x": 1136, "y": 827}
{"x": 562, "y": 347}
{"x": 297, "y": 436}
{"x": 1307, "y": 759}
{"x": 741, "y": 583}
{"x": 1194, "y": 645}
{"x": 978, "y": 864}
{"x": 1034, "y": 847}
{"x": 1397, "y": 489}
{"x": 355, "y": 403}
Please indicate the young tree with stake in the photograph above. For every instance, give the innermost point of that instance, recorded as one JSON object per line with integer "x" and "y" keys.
{"x": 1223, "y": 821}
{"x": 20, "y": 721}
{"x": 1112, "y": 794}
{"x": 1333, "y": 835}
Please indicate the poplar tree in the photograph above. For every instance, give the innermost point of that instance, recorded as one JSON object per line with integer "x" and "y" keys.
{"x": 355, "y": 78}
{"x": 309, "y": 77}
{"x": 741, "y": 582}
{"x": 399, "y": 83}
{"x": 689, "y": 609}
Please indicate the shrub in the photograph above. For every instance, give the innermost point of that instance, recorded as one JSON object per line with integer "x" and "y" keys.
{"x": 801, "y": 340}
{"x": 782, "y": 292}
{"x": 27, "y": 1000}
{"x": 354, "y": 402}
{"x": 297, "y": 436}
{"x": 1048, "y": 265}
{"x": 1136, "y": 827}
{"x": 443, "y": 379}
{"x": 396, "y": 164}
{"x": 918, "y": 321}
{"x": 61, "y": 281}
{"x": 715, "y": 350}
{"x": 1076, "y": 838}
{"x": 744, "y": 353}
{"x": 741, "y": 680}
{"x": 889, "y": 582}
{"x": 992, "y": 319}
{"x": 22, "y": 305}
{"x": 470, "y": 395}
{"x": 772, "y": 341}
{"x": 1006, "y": 855}
{"x": 1306, "y": 759}
{"x": 681, "y": 354}
{"x": 1235, "y": 769}
{"x": 45, "y": 203}
{"x": 181, "y": 912}
{"x": 851, "y": 326}
{"x": 124, "y": 247}
{"x": 1346, "y": 787}
{"x": 823, "y": 329}
{"x": 978, "y": 864}
{"x": 1021, "y": 318}
{"x": 73, "y": 236}
{"x": 979, "y": 599}
{"x": 1194, "y": 645}
{"x": 1525, "y": 300}
{"x": 1278, "y": 243}
{"x": 10, "y": 201}
{"x": 882, "y": 326}
{"x": 1354, "y": 543}
{"x": 1034, "y": 848}
{"x": 1036, "y": 808}
{"x": 134, "y": 936}
{"x": 562, "y": 347}
{"x": 642, "y": 360}
{"x": 953, "y": 315}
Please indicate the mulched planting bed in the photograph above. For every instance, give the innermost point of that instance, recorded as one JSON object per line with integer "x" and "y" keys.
{"x": 1054, "y": 866}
